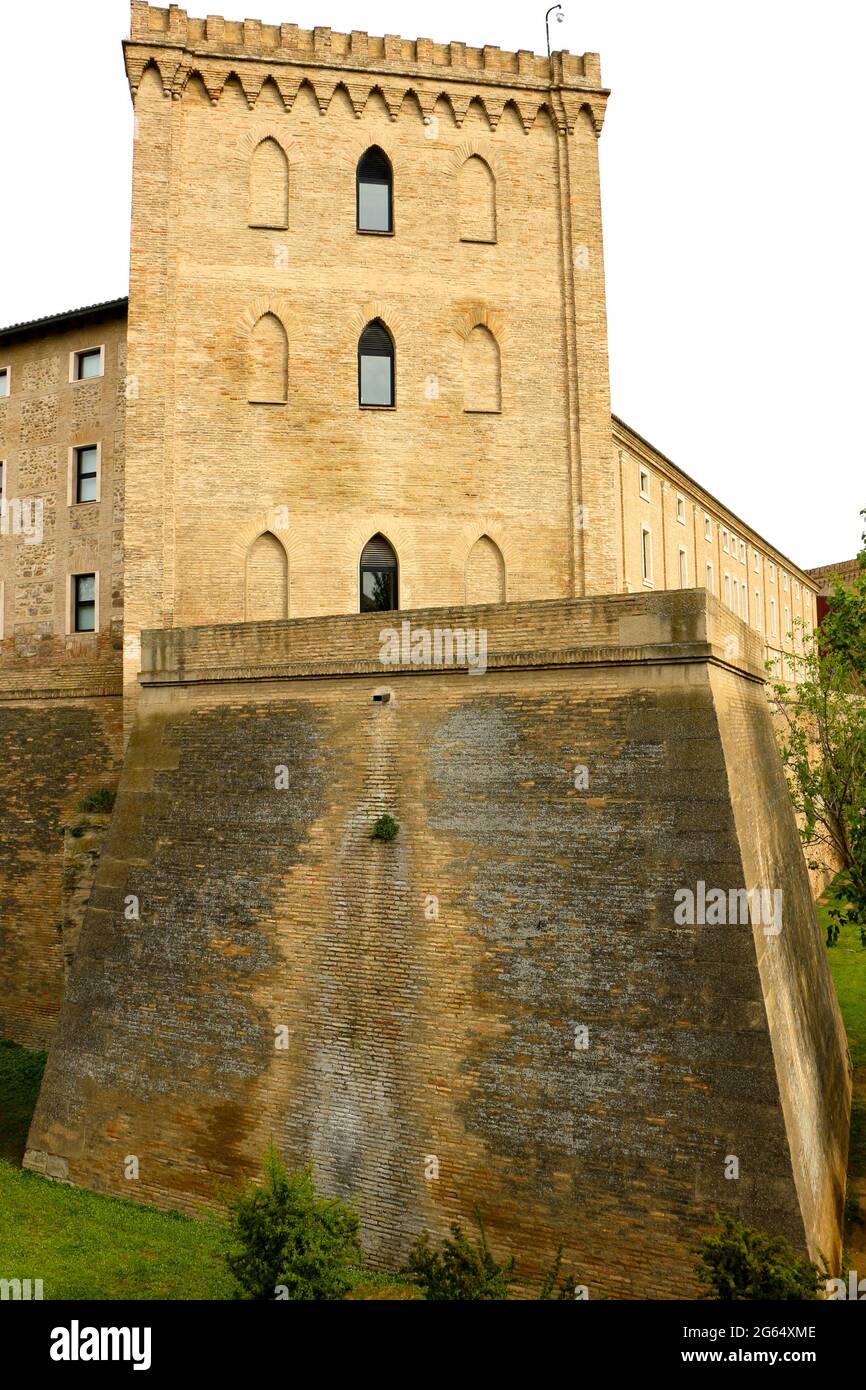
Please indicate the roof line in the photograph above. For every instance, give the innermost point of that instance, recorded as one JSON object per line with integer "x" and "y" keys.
{"x": 722, "y": 506}
{"x": 107, "y": 306}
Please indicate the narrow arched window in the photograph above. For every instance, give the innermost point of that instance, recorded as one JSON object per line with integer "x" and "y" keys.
{"x": 267, "y": 363}
{"x": 375, "y": 365}
{"x": 378, "y": 576}
{"x": 267, "y": 580}
{"x": 375, "y": 192}
{"x": 485, "y": 573}
{"x": 482, "y": 389}
{"x": 477, "y": 200}
{"x": 269, "y": 186}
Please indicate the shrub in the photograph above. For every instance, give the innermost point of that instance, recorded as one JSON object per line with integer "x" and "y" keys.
{"x": 738, "y": 1263}
{"x": 286, "y": 1236}
{"x": 385, "y": 828}
{"x": 97, "y": 801}
{"x": 467, "y": 1271}
{"x": 462, "y": 1269}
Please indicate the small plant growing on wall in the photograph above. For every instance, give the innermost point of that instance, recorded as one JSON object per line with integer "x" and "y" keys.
{"x": 98, "y": 801}
{"x": 385, "y": 828}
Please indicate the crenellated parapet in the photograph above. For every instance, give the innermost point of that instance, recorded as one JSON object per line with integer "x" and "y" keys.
{"x": 408, "y": 73}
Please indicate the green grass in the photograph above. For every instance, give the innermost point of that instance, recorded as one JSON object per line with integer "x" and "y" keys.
{"x": 83, "y": 1245}
{"x": 847, "y": 961}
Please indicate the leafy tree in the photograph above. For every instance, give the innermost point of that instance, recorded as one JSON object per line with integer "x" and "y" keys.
{"x": 844, "y": 625}
{"x": 822, "y": 740}
{"x": 285, "y": 1237}
{"x": 738, "y": 1263}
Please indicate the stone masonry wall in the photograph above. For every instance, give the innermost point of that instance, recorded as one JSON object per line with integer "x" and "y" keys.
{"x": 406, "y": 1014}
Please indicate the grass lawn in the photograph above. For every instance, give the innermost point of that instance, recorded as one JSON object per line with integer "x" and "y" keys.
{"x": 848, "y": 968}
{"x": 83, "y": 1245}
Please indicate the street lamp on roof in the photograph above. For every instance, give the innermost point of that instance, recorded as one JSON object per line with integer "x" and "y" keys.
{"x": 560, "y": 16}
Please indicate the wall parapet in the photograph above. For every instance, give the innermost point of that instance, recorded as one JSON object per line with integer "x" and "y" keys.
{"x": 678, "y": 626}
{"x": 250, "y": 38}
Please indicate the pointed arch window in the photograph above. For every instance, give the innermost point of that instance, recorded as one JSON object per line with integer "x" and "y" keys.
{"x": 482, "y": 386}
{"x": 375, "y": 192}
{"x": 476, "y": 189}
{"x": 267, "y": 362}
{"x": 376, "y": 365}
{"x": 378, "y": 576}
{"x": 269, "y": 185}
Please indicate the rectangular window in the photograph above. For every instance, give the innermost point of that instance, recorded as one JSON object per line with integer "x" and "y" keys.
{"x": 727, "y": 589}
{"x": 742, "y": 552}
{"x": 710, "y": 588}
{"x": 757, "y": 609}
{"x": 708, "y": 528}
{"x": 4, "y": 381}
{"x": 756, "y": 562}
{"x": 84, "y": 603}
{"x": 724, "y": 540}
{"x": 85, "y": 477}
{"x": 684, "y": 568}
{"x": 644, "y": 484}
{"x": 87, "y": 364}
{"x": 646, "y": 553}
{"x": 772, "y": 617}
{"x": 796, "y": 588}
{"x": 681, "y": 509}
{"x": 787, "y": 633}
{"x": 744, "y": 596}
{"x": 785, "y": 580}
{"x": 772, "y": 573}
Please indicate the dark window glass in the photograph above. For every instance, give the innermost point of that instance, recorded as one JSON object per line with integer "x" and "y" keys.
{"x": 85, "y": 474}
{"x": 85, "y": 602}
{"x": 4, "y": 382}
{"x": 378, "y": 577}
{"x": 375, "y": 192}
{"x": 375, "y": 366}
{"x": 88, "y": 364}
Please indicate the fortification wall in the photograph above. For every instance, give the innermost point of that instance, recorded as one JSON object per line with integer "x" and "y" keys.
{"x": 51, "y": 752}
{"x": 430, "y": 991}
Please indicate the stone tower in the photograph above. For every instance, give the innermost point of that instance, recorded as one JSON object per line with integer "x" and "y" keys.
{"x": 253, "y": 499}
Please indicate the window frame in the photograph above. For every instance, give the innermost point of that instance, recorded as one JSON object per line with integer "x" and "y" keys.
{"x": 374, "y": 231}
{"x": 709, "y": 573}
{"x": 378, "y": 569}
{"x": 708, "y": 528}
{"x": 6, "y": 375}
{"x": 75, "y": 357}
{"x": 646, "y": 536}
{"x": 681, "y": 509}
{"x": 72, "y": 628}
{"x": 72, "y": 499}
{"x": 683, "y": 555}
{"x": 374, "y": 405}
{"x": 644, "y": 477}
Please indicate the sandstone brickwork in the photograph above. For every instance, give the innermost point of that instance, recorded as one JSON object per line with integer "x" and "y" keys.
{"x": 389, "y": 1011}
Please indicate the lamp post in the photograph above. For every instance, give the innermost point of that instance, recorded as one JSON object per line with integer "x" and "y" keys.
{"x": 560, "y": 16}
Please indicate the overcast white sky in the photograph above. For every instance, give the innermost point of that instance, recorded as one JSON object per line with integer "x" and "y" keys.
{"x": 733, "y": 174}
